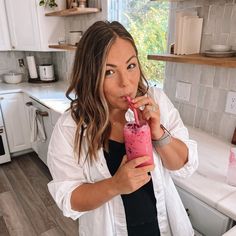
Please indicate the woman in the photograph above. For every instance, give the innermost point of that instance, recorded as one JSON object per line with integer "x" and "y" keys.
{"x": 92, "y": 179}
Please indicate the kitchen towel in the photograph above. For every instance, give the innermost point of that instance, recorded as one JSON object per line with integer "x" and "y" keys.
{"x": 37, "y": 126}
{"x": 32, "y": 67}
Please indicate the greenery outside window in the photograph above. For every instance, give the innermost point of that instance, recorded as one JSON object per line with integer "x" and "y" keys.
{"x": 147, "y": 21}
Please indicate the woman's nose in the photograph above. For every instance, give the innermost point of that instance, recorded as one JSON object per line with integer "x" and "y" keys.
{"x": 124, "y": 79}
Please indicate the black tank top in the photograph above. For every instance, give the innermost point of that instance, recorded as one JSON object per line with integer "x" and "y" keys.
{"x": 140, "y": 206}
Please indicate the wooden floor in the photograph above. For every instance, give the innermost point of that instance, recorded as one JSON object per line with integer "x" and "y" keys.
{"x": 26, "y": 207}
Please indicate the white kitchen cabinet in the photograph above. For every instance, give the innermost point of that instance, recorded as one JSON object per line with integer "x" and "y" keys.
{"x": 30, "y": 29}
{"x": 16, "y": 123}
{"x": 4, "y": 33}
{"x": 40, "y": 146}
{"x": 205, "y": 219}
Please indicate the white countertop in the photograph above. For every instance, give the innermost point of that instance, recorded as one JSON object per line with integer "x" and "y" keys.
{"x": 51, "y": 95}
{"x": 208, "y": 183}
{"x": 231, "y": 232}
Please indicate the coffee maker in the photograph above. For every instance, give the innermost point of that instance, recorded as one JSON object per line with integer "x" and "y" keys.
{"x": 46, "y": 72}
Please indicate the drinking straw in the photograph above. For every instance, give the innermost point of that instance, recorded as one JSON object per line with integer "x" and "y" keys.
{"x": 131, "y": 106}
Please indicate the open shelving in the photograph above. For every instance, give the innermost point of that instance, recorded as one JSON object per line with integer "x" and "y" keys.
{"x": 74, "y": 11}
{"x": 195, "y": 59}
{"x": 63, "y": 47}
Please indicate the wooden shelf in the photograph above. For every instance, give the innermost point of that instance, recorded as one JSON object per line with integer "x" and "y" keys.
{"x": 195, "y": 59}
{"x": 64, "y": 47}
{"x": 73, "y": 11}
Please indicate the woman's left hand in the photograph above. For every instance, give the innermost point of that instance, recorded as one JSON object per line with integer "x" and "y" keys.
{"x": 150, "y": 113}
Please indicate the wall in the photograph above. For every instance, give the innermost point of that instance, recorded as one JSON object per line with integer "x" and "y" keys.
{"x": 62, "y": 61}
{"x": 9, "y": 61}
{"x": 209, "y": 84}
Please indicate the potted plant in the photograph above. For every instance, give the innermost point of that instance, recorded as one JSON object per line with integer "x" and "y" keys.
{"x": 48, "y": 3}
{"x": 53, "y": 4}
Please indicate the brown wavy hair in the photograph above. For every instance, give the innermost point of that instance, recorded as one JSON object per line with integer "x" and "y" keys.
{"x": 89, "y": 108}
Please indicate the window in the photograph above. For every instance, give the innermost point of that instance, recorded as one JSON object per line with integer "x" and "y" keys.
{"x": 147, "y": 22}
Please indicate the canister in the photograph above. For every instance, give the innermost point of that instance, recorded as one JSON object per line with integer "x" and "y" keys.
{"x": 74, "y": 37}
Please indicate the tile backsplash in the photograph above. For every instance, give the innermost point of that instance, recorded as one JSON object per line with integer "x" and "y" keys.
{"x": 63, "y": 60}
{"x": 9, "y": 61}
{"x": 209, "y": 84}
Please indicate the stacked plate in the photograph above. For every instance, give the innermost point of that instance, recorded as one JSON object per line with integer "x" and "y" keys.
{"x": 219, "y": 50}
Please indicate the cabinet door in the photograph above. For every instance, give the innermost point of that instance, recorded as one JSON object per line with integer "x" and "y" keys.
{"x": 16, "y": 123}
{"x": 205, "y": 219}
{"x": 23, "y": 24}
{"x": 52, "y": 29}
{"x": 4, "y": 33}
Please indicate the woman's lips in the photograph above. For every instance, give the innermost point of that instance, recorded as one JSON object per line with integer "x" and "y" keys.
{"x": 124, "y": 97}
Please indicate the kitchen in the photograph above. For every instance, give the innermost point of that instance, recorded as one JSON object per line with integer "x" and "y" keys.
{"x": 209, "y": 199}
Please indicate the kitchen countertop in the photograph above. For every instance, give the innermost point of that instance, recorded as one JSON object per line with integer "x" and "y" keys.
{"x": 51, "y": 95}
{"x": 208, "y": 183}
{"x": 231, "y": 232}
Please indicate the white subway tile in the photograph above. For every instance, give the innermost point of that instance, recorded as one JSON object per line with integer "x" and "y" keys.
{"x": 187, "y": 113}
{"x": 221, "y": 79}
{"x": 201, "y": 117}
{"x": 232, "y": 79}
{"x": 207, "y": 75}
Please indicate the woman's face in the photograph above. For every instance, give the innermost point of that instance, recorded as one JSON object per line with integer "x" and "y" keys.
{"x": 122, "y": 74}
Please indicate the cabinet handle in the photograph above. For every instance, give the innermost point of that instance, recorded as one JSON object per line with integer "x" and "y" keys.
{"x": 187, "y": 210}
{"x": 29, "y": 104}
{"x": 41, "y": 113}
{"x": 13, "y": 47}
{"x": 1, "y": 98}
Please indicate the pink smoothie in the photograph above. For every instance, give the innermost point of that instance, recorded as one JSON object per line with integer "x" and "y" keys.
{"x": 138, "y": 141}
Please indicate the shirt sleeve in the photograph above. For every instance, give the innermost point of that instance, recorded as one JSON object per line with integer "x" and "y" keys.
{"x": 67, "y": 174}
{"x": 172, "y": 121}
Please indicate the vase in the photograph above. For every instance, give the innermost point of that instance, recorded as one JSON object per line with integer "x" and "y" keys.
{"x": 82, "y": 3}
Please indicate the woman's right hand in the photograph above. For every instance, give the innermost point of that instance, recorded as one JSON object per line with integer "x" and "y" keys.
{"x": 128, "y": 178}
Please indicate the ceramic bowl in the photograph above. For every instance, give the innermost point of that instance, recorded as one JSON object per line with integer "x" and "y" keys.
{"x": 12, "y": 78}
{"x": 220, "y": 48}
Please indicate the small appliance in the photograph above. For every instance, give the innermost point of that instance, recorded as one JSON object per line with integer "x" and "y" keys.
{"x": 46, "y": 72}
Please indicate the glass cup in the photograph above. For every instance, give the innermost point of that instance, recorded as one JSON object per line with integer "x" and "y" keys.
{"x": 231, "y": 174}
{"x": 138, "y": 141}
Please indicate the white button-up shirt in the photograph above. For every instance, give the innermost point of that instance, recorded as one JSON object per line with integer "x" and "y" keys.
{"x": 109, "y": 219}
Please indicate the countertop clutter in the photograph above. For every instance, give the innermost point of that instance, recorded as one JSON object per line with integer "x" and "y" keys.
{"x": 207, "y": 184}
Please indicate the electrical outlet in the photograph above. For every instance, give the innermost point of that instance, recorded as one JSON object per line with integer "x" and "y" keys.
{"x": 231, "y": 103}
{"x": 21, "y": 62}
{"x": 183, "y": 91}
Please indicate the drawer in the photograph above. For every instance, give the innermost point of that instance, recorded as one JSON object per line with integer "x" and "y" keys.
{"x": 206, "y": 220}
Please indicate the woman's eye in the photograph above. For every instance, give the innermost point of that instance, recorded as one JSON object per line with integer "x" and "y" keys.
{"x": 131, "y": 66}
{"x": 109, "y": 72}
